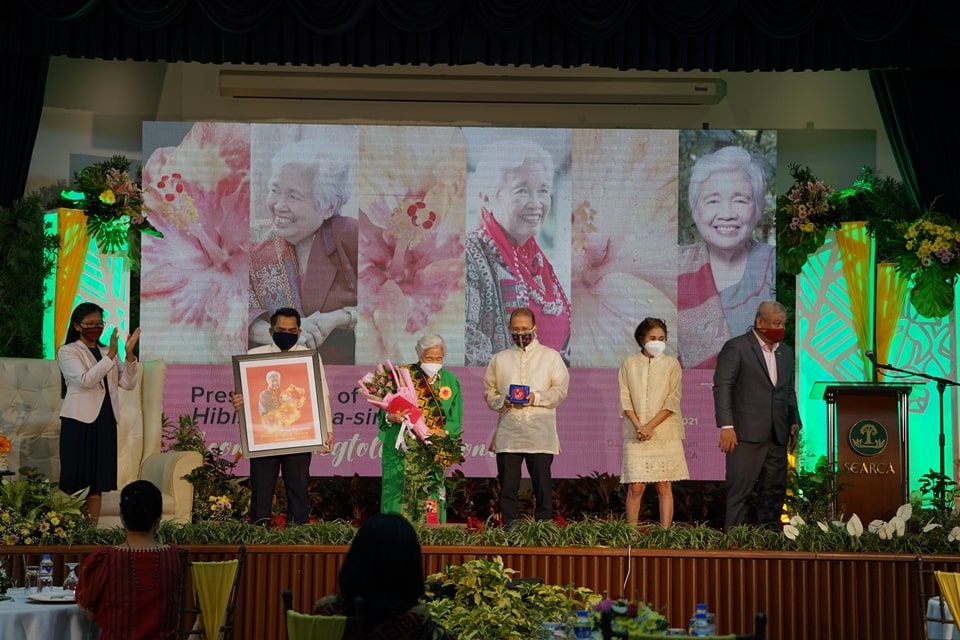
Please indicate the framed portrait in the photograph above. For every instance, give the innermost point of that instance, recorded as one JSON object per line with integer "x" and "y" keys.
{"x": 283, "y": 409}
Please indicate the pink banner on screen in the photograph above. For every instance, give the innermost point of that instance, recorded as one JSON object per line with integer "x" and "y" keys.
{"x": 588, "y": 421}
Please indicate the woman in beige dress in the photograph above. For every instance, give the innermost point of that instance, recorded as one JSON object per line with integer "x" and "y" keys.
{"x": 652, "y": 426}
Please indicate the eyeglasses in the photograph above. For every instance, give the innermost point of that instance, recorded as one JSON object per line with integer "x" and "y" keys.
{"x": 91, "y": 325}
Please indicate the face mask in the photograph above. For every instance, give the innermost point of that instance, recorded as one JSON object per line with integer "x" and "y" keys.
{"x": 655, "y": 347}
{"x": 92, "y": 334}
{"x": 430, "y": 368}
{"x": 773, "y": 334}
{"x": 285, "y": 340}
{"x": 522, "y": 340}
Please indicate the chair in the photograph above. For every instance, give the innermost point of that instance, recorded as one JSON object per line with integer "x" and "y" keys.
{"x": 304, "y": 626}
{"x": 606, "y": 619}
{"x": 208, "y": 596}
{"x": 935, "y": 614}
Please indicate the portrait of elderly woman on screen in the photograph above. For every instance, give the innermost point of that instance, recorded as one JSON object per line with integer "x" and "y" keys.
{"x": 506, "y": 267}
{"x": 725, "y": 276}
{"x": 309, "y": 260}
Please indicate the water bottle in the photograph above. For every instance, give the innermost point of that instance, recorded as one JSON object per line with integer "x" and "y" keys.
{"x": 699, "y": 625}
{"x": 46, "y": 572}
{"x": 582, "y": 628}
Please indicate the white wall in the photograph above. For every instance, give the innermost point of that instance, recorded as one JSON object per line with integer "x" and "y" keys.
{"x": 95, "y": 107}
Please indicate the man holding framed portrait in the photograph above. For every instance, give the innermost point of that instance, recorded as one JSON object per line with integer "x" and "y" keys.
{"x": 289, "y": 422}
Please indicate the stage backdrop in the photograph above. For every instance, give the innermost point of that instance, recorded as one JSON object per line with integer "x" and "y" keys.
{"x": 618, "y": 237}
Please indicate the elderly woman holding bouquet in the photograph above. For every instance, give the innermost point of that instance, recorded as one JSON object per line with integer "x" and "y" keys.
{"x": 416, "y": 454}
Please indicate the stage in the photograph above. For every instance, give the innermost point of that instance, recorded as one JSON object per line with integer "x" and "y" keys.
{"x": 806, "y": 596}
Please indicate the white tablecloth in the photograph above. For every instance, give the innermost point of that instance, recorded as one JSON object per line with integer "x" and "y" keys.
{"x": 21, "y": 619}
{"x": 937, "y": 630}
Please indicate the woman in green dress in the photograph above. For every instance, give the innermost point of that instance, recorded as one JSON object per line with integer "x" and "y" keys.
{"x": 414, "y": 471}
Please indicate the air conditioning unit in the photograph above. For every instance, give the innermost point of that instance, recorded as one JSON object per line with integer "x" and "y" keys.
{"x": 420, "y": 86}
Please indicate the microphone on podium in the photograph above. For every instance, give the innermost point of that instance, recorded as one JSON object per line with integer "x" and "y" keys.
{"x": 872, "y": 357}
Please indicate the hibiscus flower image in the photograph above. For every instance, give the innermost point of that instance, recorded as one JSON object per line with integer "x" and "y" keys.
{"x": 194, "y": 280}
{"x": 624, "y": 240}
{"x": 412, "y": 218}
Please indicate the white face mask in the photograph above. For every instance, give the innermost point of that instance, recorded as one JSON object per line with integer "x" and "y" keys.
{"x": 655, "y": 347}
{"x": 430, "y": 368}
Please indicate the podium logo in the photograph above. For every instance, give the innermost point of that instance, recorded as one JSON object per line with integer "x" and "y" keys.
{"x": 868, "y": 438}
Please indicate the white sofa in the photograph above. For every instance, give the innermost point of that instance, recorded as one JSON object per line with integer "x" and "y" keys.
{"x": 30, "y": 418}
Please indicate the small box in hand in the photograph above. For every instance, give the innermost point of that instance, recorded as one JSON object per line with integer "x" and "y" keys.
{"x": 519, "y": 394}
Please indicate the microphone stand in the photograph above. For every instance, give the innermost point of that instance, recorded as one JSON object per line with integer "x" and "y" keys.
{"x": 942, "y": 384}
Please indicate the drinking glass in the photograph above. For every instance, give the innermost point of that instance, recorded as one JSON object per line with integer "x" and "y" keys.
{"x": 31, "y": 579}
{"x": 70, "y": 582}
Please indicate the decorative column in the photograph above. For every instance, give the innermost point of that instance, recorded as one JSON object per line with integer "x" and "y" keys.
{"x": 855, "y": 247}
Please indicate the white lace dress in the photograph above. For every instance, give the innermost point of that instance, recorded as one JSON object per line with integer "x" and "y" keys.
{"x": 648, "y": 385}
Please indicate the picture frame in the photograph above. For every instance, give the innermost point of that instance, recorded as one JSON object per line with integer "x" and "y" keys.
{"x": 284, "y": 409}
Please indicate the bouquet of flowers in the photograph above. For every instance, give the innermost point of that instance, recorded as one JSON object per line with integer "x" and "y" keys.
{"x": 391, "y": 388}
{"x": 5, "y": 445}
{"x": 804, "y": 216}
{"x": 630, "y": 617}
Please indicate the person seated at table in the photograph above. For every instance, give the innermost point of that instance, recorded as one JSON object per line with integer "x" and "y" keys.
{"x": 131, "y": 590}
{"x": 381, "y": 583}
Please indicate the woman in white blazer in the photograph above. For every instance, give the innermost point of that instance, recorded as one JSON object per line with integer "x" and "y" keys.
{"x": 92, "y": 373}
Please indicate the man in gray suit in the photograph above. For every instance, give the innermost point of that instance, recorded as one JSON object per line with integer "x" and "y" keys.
{"x": 756, "y": 406}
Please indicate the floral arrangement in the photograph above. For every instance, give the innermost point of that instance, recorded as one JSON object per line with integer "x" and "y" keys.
{"x": 924, "y": 245}
{"x": 6, "y": 582}
{"x": 5, "y": 445}
{"x": 631, "y": 617}
{"x": 804, "y": 216}
{"x": 931, "y": 255}
{"x": 33, "y": 510}
{"x": 291, "y": 401}
{"x": 214, "y": 483}
{"x": 221, "y": 508}
{"x": 113, "y": 202}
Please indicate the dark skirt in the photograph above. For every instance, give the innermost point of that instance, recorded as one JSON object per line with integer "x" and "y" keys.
{"x": 88, "y": 452}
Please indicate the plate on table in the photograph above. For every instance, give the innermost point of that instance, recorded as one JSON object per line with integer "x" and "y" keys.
{"x": 53, "y": 596}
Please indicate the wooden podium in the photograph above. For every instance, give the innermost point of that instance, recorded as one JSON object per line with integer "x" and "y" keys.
{"x": 867, "y": 444}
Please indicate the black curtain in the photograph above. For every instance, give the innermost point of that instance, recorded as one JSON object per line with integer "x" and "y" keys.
{"x": 23, "y": 81}
{"x": 710, "y": 35}
{"x": 918, "y": 109}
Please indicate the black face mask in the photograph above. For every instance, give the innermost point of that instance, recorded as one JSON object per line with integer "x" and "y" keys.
{"x": 285, "y": 340}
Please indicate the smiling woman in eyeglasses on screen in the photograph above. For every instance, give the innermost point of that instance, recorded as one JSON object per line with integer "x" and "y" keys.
{"x": 92, "y": 373}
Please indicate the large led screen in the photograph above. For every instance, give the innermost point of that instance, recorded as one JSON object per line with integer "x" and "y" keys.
{"x": 380, "y": 234}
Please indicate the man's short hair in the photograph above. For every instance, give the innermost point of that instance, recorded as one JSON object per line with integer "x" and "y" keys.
{"x": 286, "y": 312}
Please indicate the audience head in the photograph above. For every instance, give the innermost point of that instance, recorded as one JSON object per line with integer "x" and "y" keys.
{"x": 141, "y": 506}
{"x": 384, "y": 567}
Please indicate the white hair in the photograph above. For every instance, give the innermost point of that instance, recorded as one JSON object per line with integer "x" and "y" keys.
{"x": 503, "y": 156}
{"x": 273, "y": 374}
{"x": 727, "y": 159}
{"x": 331, "y": 172}
{"x": 429, "y": 341}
